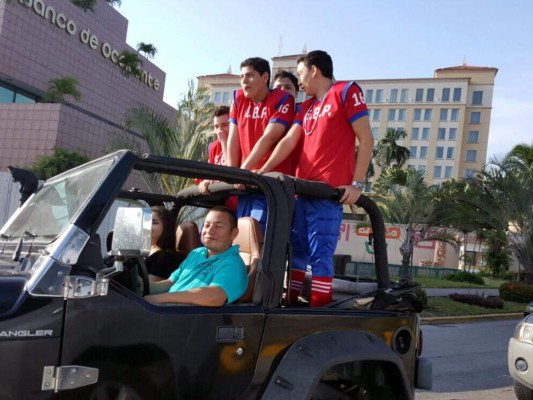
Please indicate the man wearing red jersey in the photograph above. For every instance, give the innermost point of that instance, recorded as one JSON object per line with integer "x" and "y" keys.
{"x": 259, "y": 117}
{"x": 329, "y": 124}
{"x": 216, "y": 151}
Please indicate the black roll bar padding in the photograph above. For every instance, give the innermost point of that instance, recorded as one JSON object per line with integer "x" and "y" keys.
{"x": 28, "y": 182}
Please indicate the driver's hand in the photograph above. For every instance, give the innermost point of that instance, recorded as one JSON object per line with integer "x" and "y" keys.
{"x": 239, "y": 186}
{"x": 351, "y": 194}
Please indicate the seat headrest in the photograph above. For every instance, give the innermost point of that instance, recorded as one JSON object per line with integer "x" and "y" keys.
{"x": 249, "y": 239}
{"x": 187, "y": 237}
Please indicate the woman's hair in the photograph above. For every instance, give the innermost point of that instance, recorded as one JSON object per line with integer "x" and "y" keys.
{"x": 167, "y": 241}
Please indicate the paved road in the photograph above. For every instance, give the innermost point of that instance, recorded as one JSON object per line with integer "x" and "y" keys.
{"x": 469, "y": 361}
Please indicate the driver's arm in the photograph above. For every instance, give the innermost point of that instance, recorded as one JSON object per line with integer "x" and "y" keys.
{"x": 209, "y": 296}
{"x": 160, "y": 286}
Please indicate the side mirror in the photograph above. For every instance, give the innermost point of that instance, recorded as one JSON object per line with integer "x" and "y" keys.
{"x": 132, "y": 232}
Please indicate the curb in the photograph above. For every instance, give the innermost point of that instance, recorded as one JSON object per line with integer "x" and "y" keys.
{"x": 469, "y": 318}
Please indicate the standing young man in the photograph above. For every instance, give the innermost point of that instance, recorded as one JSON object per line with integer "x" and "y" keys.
{"x": 285, "y": 80}
{"x": 329, "y": 123}
{"x": 259, "y": 118}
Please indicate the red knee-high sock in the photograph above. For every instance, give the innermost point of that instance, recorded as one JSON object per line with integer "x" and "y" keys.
{"x": 321, "y": 291}
{"x": 297, "y": 282}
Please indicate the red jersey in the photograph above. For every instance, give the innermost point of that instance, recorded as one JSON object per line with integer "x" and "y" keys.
{"x": 328, "y": 153}
{"x": 252, "y": 118}
{"x": 215, "y": 153}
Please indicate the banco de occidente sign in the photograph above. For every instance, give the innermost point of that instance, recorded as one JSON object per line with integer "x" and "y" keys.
{"x": 61, "y": 21}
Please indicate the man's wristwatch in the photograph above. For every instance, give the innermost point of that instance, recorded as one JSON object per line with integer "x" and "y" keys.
{"x": 358, "y": 185}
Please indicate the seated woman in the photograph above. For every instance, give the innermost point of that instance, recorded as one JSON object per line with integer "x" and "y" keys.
{"x": 163, "y": 258}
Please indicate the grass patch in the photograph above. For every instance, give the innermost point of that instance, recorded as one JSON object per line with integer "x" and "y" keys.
{"x": 444, "y": 306}
{"x": 428, "y": 283}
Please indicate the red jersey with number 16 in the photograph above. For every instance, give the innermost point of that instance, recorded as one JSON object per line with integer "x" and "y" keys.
{"x": 252, "y": 118}
{"x": 328, "y": 153}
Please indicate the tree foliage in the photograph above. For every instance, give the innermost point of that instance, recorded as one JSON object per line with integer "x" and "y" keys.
{"x": 61, "y": 160}
{"x": 148, "y": 49}
{"x": 187, "y": 138}
{"x": 61, "y": 87}
{"x": 130, "y": 63}
{"x": 388, "y": 153}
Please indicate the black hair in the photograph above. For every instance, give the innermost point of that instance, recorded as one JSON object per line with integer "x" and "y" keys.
{"x": 167, "y": 240}
{"x": 289, "y": 75}
{"x": 259, "y": 65}
{"x": 232, "y": 216}
{"x": 221, "y": 110}
{"x": 319, "y": 59}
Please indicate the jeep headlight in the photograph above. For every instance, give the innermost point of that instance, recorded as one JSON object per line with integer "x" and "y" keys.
{"x": 524, "y": 332}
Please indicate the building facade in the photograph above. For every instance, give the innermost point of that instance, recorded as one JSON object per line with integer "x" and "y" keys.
{"x": 446, "y": 117}
{"x": 41, "y": 40}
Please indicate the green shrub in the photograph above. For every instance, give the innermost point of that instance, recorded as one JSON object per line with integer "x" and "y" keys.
{"x": 463, "y": 276}
{"x": 516, "y": 291}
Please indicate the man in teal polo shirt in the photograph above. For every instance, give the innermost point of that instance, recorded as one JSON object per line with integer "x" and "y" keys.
{"x": 212, "y": 275}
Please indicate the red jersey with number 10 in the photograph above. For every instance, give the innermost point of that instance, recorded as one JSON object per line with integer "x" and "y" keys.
{"x": 252, "y": 118}
{"x": 328, "y": 153}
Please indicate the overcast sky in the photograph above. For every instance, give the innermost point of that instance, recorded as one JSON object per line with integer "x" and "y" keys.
{"x": 383, "y": 39}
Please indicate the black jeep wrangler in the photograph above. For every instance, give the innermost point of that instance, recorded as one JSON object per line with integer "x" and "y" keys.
{"x": 74, "y": 324}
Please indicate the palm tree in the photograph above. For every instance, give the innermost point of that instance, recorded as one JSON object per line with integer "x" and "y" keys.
{"x": 47, "y": 166}
{"x": 60, "y": 87}
{"x": 186, "y": 139}
{"x": 507, "y": 204}
{"x": 522, "y": 155}
{"x": 388, "y": 153}
{"x": 407, "y": 203}
{"x": 130, "y": 63}
{"x": 87, "y": 5}
{"x": 148, "y": 49}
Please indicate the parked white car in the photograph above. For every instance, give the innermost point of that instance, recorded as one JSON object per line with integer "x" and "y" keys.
{"x": 520, "y": 359}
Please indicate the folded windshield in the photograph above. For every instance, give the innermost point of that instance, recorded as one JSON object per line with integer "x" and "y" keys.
{"x": 50, "y": 210}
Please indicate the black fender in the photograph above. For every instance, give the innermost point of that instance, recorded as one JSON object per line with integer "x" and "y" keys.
{"x": 306, "y": 361}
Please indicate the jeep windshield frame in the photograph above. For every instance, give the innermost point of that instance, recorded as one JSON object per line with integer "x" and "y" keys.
{"x": 47, "y": 213}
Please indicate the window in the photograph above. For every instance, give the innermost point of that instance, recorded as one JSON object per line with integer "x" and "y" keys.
{"x": 218, "y": 97}
{"x": 430, "y": 95}
{"x": 423, "y": 152}
{"x": 401, "y": 114}
{"x": 450, "y": 153}
{"x": 379, "y": 96}
{"x": 368, "y": 96}
{"x": 443, "y": 114}
{"x": 419, "y": 95}
{"x": 441, "y": 134}
{"x": 412, "y": 151}
{"x": 417, "y": 115}
{"x": 375, "y": 133}
{"x": 6, "y": 95}
{"x": 437, "y": 170}
{"x": 448, "y": 171}
{"x": 404, "y": 95}
{"x": 473, "y": 136}
{"x": 225, "y": 98}
{"x": 20, "y": 98}
{"x": 414, "y": 133}
{"x": 376, "y": 115}
{"x": 457, "y": 94}
{"x": 425, "y": 133}
{"x": 410, "y": 166}
{"x": 455, "y": 114}
{"x": 394, "y": 95}
{"x": 422, "y": 168}
{"x": 471, "y": 155}
{"x": 469, "y": 173}
{"x": 475, "y": 117}
{"x": 428, "y": 112}
{"x": 477, "y": 97}
{"x": 446, "y": 94}
{"x": 452, "y": 134}
{"x": 439, "y": 152}
{"x": 391, "y": 115}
